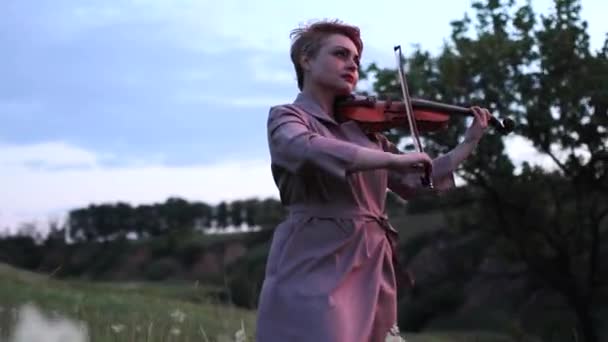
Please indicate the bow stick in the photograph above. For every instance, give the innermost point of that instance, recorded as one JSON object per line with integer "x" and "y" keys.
{"x": 426, "y": 179}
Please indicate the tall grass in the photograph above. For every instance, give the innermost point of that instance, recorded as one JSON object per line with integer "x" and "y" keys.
{"x": 37, "y": 308}
{"x": 107, "y": 312}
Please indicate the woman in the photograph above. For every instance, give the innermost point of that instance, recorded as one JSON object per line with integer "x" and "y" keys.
{"x": 330, "y": 274}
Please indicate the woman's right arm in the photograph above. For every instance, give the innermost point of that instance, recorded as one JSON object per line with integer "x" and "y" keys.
{"x": 294, "y": 146}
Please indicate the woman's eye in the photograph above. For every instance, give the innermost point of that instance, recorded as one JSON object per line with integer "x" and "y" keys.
{"x": 345, "y": 54}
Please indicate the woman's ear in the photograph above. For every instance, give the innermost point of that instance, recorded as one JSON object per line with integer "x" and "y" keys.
{"x": 305, "y": 62}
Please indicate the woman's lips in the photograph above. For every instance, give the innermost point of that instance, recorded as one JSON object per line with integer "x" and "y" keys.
{"x": 349, "y": 78}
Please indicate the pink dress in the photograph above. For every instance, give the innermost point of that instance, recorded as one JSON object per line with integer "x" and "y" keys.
{"x": 330, "y": 275}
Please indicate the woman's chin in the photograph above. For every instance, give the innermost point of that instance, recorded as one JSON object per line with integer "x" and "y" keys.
{"x": 344, "y": 90}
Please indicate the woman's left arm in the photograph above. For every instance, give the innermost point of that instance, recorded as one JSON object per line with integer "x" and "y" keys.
{"x": 408, "y": 185}
{"x": 448, "y": 163}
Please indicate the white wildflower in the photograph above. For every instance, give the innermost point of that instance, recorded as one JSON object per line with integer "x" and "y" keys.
{"x": 394, "y": 335}
{"x": 178, "y": 315}
{"x": 240, "y": 335}
{"x": 203, "y": 333}
{"x": 117, "y": 328}
{"x": 175, "y": 331}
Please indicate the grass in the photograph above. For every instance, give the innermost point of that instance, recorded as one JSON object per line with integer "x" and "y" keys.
{"x": 132, "y": 312}
{"x": 140, "y": 312}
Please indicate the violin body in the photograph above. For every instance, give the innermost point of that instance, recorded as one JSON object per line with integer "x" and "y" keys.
{"x": 381, "y": 115}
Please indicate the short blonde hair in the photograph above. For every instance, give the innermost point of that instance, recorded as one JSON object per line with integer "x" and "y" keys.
{"x": 307, "y": 41}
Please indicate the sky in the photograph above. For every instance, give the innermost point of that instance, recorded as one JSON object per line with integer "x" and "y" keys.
{"x": 136, "y": 101}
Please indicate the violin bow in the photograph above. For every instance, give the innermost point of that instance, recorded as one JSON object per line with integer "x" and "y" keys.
{"x": 409, "y": 111}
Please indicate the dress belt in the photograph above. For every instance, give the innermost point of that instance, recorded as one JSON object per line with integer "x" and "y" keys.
{"x": 339, "y": 212}
{"x": 403, "y": 275}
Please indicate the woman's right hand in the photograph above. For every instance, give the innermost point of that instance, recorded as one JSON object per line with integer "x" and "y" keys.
{"x": 411, "y": 162}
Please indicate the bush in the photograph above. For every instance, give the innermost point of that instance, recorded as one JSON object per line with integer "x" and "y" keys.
{"x": 416, "y": 312}
{"x": 245, "y": 277}
{"x": 162, "y": 269}
{"x": 109, "y": 257}
{"x": 20, "y": 251}
{"x": 189, "y": 252}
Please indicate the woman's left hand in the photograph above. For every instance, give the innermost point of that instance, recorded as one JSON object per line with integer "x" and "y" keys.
{"x": 479, "y": 125}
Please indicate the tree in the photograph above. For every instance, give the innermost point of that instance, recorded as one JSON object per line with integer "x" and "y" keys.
{"x": 544, "y": 75}
{"x": 148, "y": 221}
{"x": 81, "y": 226}
{"x": 251, "y": 209}
{"x": 179, "y": 213}
{"x": 237, "y": 213}
{"x": 221, "y": 214}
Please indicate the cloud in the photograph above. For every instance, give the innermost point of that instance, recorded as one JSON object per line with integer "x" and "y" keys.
{"x": 136, "y": 80}
{"x": 139, "y": 79}
{"x": 520, "y": 150}
{"x": 48, "y": 155}
{"x": 35, "y": 193}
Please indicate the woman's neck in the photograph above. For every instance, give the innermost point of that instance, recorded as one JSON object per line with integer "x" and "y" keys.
{"x": 324, "y": 98}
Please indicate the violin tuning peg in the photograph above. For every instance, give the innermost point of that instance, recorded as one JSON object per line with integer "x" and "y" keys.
{"x": 509, "y": 125}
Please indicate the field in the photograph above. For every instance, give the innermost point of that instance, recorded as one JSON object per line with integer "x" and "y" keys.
{"x": 122, "y": 312}
{"x": 132, "y": 312}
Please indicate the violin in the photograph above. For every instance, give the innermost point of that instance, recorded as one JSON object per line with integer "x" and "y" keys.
{"x": 374, "y": 115}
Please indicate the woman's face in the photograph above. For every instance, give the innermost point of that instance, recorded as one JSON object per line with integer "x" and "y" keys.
{"x": 336, "y": 65}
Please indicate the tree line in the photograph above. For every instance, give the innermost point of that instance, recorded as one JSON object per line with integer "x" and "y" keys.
{"x": 112, "y": 220}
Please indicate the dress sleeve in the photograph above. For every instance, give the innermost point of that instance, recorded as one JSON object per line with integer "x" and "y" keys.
{"x": 408, "y": 185}
{"x": 295, "y": 147}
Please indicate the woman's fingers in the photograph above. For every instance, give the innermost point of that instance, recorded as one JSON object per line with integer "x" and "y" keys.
{"x": 414, "y": 161}
{"x": 486, "y": 117}
{"x": 481, "y": 116}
